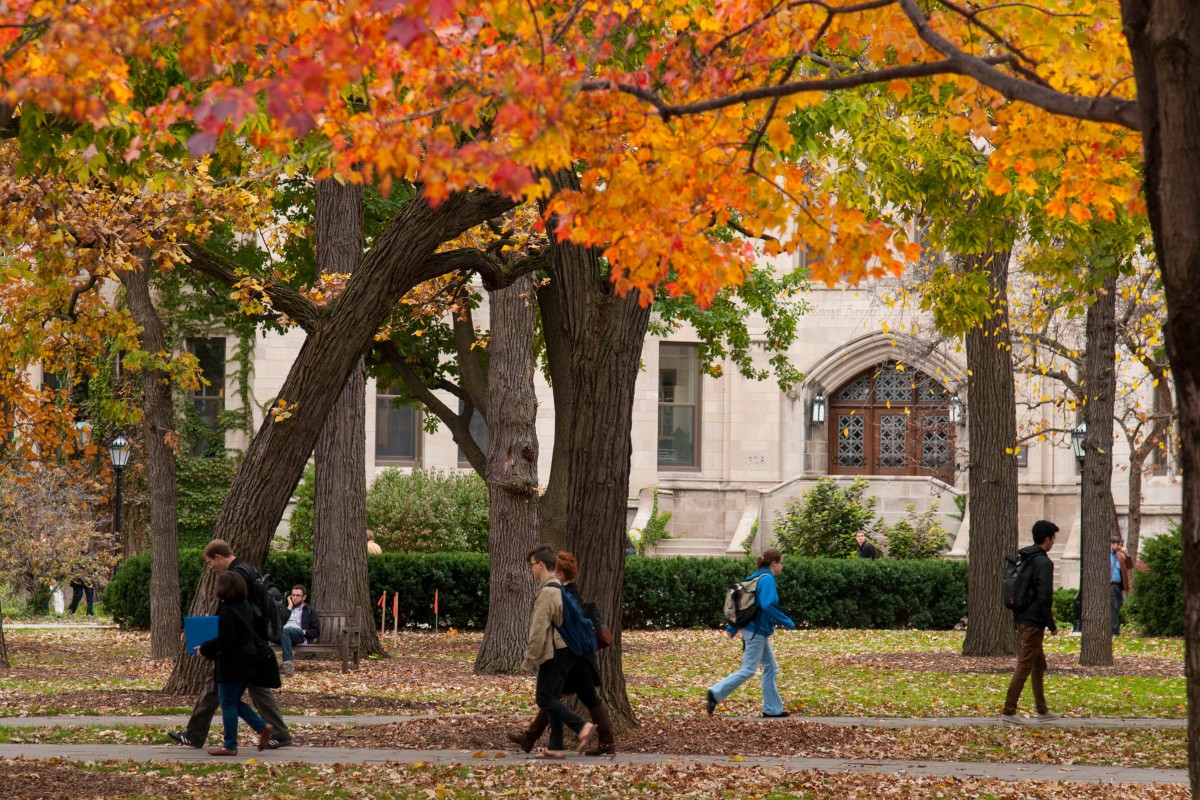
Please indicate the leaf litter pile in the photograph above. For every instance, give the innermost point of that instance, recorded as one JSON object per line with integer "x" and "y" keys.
{"x": 660, "y": 781}
{"x": 109, "y": 672}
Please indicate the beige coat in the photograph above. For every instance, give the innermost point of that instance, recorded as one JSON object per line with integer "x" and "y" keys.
{"x": 543, "y": 634}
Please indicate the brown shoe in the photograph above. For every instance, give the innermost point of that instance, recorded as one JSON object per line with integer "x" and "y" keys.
{"x": 222, "y": 751}
{"x": 527, "y": 738}
{"x": 586, "y": 734}
{"x": 264, "y": 737}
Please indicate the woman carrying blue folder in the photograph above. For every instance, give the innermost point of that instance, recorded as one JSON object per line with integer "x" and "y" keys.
{"x": 236, "y": 653}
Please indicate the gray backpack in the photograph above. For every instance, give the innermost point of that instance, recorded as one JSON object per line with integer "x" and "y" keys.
{"x": 741, "y": 602}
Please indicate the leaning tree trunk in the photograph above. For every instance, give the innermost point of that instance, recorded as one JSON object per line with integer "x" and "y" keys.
{"x": 1164, "y": 37}
{"x": 403, "y": 257}
{"x": 512, "y": 478}
{"x": 158, "y": 424}
{"x": 340, "y": 577}
{"x": 594, "y": 369}
{"x": 1098, "y": 513}
{"x": 992, "y": 478}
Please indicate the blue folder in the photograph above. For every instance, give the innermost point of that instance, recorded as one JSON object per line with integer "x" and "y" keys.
{"x": 197, "y": 631}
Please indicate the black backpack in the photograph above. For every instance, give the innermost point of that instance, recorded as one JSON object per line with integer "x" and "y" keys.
{"x": 267, "y": 601}
{"x": 576, "y": 630}
{"x": 1018, "y": 582}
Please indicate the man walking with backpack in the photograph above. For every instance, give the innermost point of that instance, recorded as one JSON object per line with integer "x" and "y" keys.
{"x": 548, "y": 653}
{"x": 219, "y": 556}
{"x": 756, "y": 638}
{"x": 1032, "y": 617}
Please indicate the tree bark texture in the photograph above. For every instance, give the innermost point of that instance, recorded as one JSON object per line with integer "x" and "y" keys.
{"x": 1098, "y": 518}
{"x": 512, "y": 478}
{"x": 992, "y": 478}
{"x": 1164, "y": 41}
{"x": 403, "y": 257}
{"x": 601, "y": 336}
{"x": 340, "y": 485}
{"x": 3, "y": 646}
{"x": 158, "y": 427}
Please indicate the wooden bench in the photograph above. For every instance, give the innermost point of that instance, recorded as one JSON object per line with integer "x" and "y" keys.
{"x": 340, "y": 633}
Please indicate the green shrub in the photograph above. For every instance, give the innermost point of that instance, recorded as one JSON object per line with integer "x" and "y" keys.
{"x": 917, "y": 535}
{"x": 300, "y": 523}
{"x": 127, "y": 596}
{"x": 822, "y": 523}
{"x": 659, "y": 592}
{"x": 1064, "y": 607}
{"x": 815, "y": 593}
{"x": 428, "y": 511}
{"x": 1157, "y": 600}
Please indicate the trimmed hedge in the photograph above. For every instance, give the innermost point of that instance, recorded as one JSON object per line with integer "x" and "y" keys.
{"x": 659, "y": 592}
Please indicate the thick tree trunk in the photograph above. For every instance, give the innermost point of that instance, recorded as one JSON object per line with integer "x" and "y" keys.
{"x": 512, "y": 478}
{"x": 992, "y": 478}
{"x": 158, "y": 425}
{"x": 340, "y": 577}
{"x": 593, "y": 424}
{"x": 402, "y": 258}
{"x": 1164, "y": 40}
{"x": 1098, "y": 518}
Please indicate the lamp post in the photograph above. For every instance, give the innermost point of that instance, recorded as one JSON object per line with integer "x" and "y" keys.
{"x": 1077, "y": 435}
{"x": 118, "y": 451}
{"x": 818, "y": 408}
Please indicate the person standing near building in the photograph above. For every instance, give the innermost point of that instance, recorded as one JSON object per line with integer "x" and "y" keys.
{"x": 756, "y": 638}
{"x": 1120, "y": 568}
{"x": 1032, "y": 621}
{"x": 865, "y": 548}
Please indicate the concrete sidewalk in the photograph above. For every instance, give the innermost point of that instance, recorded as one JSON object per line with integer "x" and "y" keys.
{"x": 354, "y": 755}
{"x": 373, "y": 719}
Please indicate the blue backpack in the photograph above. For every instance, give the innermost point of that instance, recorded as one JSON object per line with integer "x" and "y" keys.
{"x": 577, "y": 629}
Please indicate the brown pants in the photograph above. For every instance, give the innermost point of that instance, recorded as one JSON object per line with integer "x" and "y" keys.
{"x": 1031, "y": 663}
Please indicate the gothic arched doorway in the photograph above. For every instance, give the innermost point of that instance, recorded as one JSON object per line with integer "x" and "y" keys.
{"x": 891, "y": 420}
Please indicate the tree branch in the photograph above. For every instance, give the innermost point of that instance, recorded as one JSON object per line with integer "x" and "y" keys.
{"x": 277, "y": 295}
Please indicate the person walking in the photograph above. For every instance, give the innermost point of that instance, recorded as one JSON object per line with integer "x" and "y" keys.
{"x": 582, "y": 681}
{"x": 756, "y": 641}
{"x": 82, "y": 587}
{"x": 547, "y": 652}
{"x": 219, "y": 556}
{"x": 1120, "y": 567}
{"x": 1032, "y": 620}
{"x": 236, "y": 653}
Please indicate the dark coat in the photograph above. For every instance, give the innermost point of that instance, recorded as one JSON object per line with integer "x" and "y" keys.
{"x": 310, "y": 623}
{"x": 235, "y": 651}
{"x": 1040, "y": 612}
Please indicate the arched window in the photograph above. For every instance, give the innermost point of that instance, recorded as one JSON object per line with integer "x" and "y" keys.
{"x": 891, "y": 420}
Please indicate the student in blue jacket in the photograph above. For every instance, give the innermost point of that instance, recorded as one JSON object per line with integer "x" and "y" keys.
{"x": 756, "y": 636}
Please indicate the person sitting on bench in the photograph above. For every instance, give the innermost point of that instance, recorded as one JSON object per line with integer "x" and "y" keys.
{"x": 302, "y": 627}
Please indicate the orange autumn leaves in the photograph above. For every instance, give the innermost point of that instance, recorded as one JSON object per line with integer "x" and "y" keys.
{"x": 497, "y": 93}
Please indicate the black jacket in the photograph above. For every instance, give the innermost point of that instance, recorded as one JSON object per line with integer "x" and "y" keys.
{"x": 1041, "y": 611}
{"x": 235, "y": 650}
{"x": 310, "y": 622}
{"x": 250, "y": 575}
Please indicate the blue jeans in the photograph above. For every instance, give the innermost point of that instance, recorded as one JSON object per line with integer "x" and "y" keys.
{"x": 232, "y": 707}
{"x": 758, "y": 651}
{"x": 289, "y": 638}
